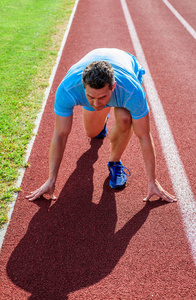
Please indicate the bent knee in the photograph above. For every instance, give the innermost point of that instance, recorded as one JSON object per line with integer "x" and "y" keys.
{"x": 90, "y": 134}
{"x": 123, "y": 118}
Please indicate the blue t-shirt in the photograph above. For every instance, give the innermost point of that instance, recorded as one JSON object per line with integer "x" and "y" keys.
{"x": 128, "y": 92}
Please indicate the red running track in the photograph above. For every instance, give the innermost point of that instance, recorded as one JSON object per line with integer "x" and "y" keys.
{"x": 93, "y": 242}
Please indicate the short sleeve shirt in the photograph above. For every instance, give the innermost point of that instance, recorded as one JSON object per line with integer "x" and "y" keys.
{"x": 128, "y": 92}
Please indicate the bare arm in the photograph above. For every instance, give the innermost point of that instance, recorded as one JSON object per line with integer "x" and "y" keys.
{"x": 61, "y": 131}
{"x": 142, "y": 130}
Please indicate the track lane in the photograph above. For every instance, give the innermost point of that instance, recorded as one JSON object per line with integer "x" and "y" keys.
{"x": 180, "y": 19}
{"x": 176, "y": 169}
{"x": 171, "y": 58}
{"x": 93, "y": 243}
{"x": 186, "y": 9}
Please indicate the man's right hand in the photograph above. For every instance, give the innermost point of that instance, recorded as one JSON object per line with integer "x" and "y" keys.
{"x": 61, "y": 131}
{"x": 47, "y": 188}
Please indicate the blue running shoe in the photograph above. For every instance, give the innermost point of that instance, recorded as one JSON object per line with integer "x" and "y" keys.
{"x": 103, "y": 133}
{"x": 118, "y": 177}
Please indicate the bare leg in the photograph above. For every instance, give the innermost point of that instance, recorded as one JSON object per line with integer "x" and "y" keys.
{"x": 120, "y": 134}
{"x": 94, "y": 121}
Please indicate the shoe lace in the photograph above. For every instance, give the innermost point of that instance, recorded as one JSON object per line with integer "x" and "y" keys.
{"x": 119, "y": 169}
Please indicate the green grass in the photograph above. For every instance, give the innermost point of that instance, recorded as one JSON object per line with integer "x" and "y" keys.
{"x": 31, "y": 33}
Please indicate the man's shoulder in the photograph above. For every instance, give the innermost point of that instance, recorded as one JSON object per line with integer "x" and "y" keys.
{"x": 126, "y": 81}
{"x": 72, "y": 80}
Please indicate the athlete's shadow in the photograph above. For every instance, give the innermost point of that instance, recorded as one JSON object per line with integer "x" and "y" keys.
{"x": 73, "y": 243}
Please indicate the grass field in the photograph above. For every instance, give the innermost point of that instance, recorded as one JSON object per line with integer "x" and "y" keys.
{"x": 31, "y": 33}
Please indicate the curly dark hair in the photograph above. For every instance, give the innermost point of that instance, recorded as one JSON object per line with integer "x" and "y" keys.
{"x": 97, "y": 74}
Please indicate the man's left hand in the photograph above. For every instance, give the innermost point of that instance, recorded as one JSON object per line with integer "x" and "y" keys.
{"x": 155, "y": 189}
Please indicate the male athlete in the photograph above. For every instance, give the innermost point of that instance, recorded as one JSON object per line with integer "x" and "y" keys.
{"x": 102, "y": 79}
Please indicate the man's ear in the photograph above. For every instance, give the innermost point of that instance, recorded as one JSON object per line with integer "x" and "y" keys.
{"x": 114, "y": 86}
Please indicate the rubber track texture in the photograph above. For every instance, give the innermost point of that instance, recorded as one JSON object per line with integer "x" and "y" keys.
{"x": 93, "y": 242}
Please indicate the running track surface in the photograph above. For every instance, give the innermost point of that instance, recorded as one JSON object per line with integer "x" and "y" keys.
{"x": 94, "y": 243}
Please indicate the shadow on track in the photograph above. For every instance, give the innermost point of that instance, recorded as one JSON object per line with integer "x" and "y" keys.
{"x": 73, "y": 243}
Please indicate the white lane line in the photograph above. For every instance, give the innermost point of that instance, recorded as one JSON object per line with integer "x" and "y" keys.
{"x": 178, "y": 176}
{"x": 181, "y": 19}
{"x": 38, "y": 120}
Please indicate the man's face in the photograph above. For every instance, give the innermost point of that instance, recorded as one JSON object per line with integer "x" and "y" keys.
{"x": 98, "y": 98}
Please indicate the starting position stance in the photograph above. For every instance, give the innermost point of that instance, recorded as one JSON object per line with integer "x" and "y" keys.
{"x": 104, "y": 78}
